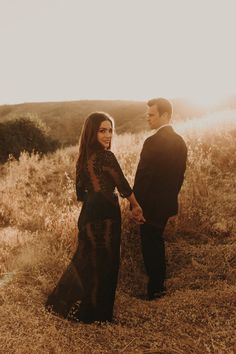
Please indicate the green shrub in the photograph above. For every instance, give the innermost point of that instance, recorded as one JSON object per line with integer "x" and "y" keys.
{"x": 24, "y": 134}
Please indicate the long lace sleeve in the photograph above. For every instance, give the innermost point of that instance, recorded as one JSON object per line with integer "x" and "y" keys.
{"x": 112, "y": 166}
{"x": 80, "y": 188}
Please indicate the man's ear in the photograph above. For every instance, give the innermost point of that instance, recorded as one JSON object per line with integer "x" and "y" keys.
{"x": 165, "y": 116}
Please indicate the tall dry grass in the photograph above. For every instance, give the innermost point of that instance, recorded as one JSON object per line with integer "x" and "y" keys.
{"x": 38, "y": 235}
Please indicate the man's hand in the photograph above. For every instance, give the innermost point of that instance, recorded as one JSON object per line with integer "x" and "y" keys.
{"x": 137, "y": 215}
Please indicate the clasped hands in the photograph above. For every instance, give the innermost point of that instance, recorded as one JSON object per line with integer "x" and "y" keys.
{"x": 137, "y": 215}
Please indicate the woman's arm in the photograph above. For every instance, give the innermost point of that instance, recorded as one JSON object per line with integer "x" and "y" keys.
{"x": 112, "y": 166}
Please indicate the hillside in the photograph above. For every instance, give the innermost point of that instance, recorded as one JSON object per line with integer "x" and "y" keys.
{"x": 65, "y": 119}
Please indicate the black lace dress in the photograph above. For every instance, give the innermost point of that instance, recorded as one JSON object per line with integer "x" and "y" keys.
{"x": 86, "y": 290}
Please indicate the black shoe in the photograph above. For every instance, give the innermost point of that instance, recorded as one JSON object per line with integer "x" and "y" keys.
{"x": 141, "y": 297}
{"x": 157, "y": 294}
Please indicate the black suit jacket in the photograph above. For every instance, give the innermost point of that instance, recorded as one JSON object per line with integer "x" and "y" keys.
{"x": 160, "y": 174}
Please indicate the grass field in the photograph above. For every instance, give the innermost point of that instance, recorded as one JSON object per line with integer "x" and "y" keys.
{"x": 38, "y": 235}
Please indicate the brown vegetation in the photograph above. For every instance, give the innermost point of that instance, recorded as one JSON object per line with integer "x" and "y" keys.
{"x": 38, "y": 235}
{"x": 24, "y": 134}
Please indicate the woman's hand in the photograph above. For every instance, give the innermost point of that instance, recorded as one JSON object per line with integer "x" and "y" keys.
{"x": 137, "y": 214}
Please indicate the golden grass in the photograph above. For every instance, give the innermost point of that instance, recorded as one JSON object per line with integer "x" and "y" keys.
{"x": 38, "y": 235}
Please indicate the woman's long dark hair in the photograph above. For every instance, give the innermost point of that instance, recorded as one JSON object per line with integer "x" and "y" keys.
{"x": 88, "y": 139}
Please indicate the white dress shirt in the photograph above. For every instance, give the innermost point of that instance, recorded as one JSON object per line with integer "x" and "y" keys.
{"x": 164, "y": 125}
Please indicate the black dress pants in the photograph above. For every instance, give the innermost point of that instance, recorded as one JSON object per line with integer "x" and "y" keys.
{"x": 153, "y": 250}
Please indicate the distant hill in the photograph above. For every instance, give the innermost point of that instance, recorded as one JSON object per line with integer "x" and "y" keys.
{"x": 65, "y": 119}
{"x": 230, "y": 103}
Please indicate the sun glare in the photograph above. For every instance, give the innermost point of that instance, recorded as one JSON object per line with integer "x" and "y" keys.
{"x": 213, "y": 123}
{"x": 205, "y": 101}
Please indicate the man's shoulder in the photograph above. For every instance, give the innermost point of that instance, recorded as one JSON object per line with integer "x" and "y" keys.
{"x": 172, "y": 134}
{"x": 180, "y": 139}
{"x": 149, "y": 142}
{"x": 166, "y": 134}
{"x": 167, "y": 139}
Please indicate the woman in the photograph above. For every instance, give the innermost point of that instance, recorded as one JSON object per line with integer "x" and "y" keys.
{"x": 86, "y": 290}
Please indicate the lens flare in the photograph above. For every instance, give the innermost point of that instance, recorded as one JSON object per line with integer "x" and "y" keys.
{"x": 213, "y": 123}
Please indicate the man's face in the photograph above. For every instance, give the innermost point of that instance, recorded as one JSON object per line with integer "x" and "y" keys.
{"x": 153, "y": 117}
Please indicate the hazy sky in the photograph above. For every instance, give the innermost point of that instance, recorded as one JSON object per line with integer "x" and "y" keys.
{"x": 116, "y": 49}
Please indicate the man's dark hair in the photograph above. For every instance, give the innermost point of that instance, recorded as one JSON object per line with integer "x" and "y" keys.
{"x": 162, "y": 104}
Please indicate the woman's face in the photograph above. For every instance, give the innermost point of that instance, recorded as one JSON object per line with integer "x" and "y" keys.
{"x": 104, "y": 134}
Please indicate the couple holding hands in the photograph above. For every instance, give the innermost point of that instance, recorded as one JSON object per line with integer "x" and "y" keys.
{"x": 86, "y": 290}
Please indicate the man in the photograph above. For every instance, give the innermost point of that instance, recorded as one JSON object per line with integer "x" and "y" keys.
{"x": 158, "y": 180}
